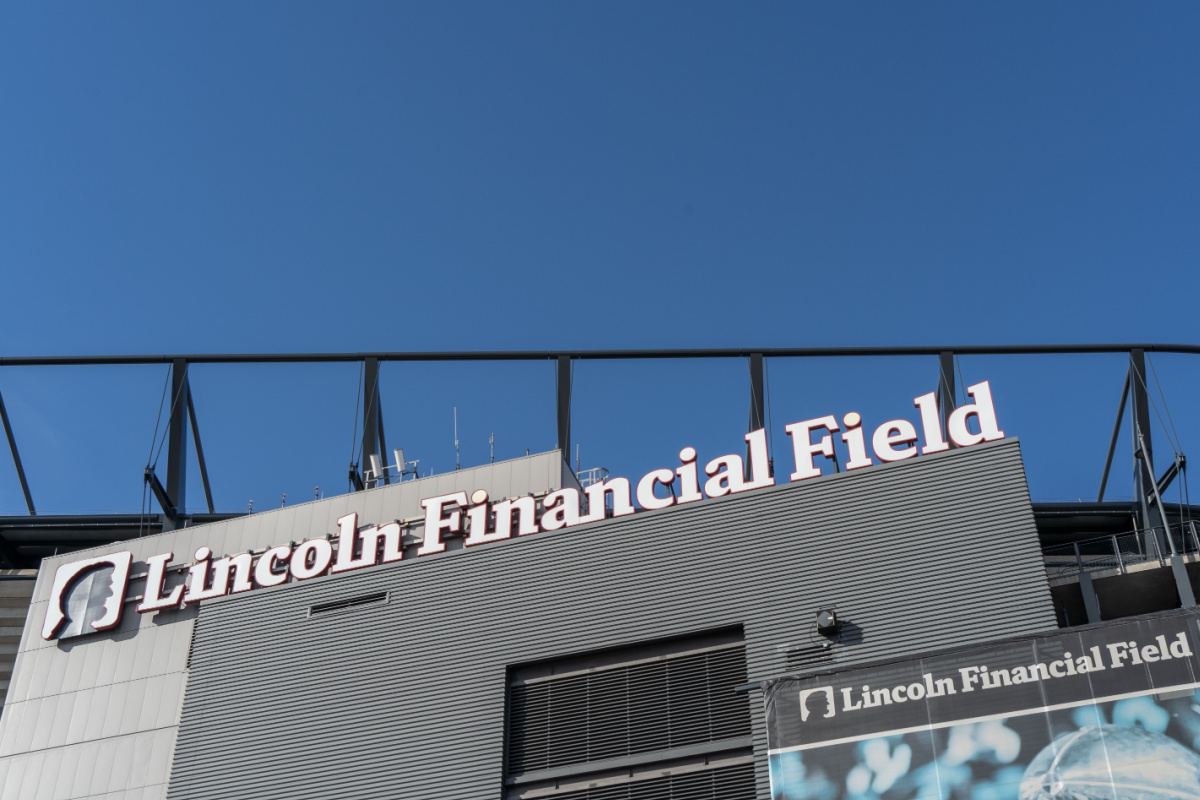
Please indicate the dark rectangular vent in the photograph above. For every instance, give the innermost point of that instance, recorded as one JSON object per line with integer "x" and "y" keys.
{"x": 375, "y": 598}
{"x": 723, "y": 783}
{"x": 628, "y": 709}
{"x": 808, "y": 657}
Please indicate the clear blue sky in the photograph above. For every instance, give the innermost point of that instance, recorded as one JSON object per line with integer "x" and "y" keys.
{"x": 232, "y": 177}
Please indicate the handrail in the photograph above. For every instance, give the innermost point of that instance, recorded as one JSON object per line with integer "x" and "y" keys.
{"x": 1121, "y": 551}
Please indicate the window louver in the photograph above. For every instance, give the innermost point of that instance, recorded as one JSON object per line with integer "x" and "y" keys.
{"x": 625, "y": 710}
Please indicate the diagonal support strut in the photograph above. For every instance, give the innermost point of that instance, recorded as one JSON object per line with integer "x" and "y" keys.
{"x": 191, "y": 410}
{"x": 16, "y": 456}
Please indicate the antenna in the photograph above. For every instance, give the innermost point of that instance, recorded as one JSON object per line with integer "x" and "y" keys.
{"x": 492, "y": 442}
{"x": 577, "y": 458}
{"x": 456, "y": 466}
{"x": 376, "y": 471}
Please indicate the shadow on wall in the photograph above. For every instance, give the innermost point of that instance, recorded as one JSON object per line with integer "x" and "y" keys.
{"x": 820, "y": 652}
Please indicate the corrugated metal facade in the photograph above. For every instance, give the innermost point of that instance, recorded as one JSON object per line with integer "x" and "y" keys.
{"x": 406, "y": 699}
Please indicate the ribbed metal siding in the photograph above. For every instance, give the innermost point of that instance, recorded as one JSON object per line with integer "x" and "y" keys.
{"x": 625, "y": 710}
{"x": 406, "y": 700}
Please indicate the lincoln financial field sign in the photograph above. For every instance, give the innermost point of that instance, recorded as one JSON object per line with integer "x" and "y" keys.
{"x": 89, "y": 595}
{"x": 1107, "y": 712}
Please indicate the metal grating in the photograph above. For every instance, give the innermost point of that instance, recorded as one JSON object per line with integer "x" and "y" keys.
{"x": 806, "y": 657}
{"x": 628, "y": 709}
{"x": 723, "y": 783}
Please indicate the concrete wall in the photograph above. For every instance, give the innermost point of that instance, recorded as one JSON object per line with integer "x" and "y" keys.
{"x": 97, "y": 716}
{"x": 406, "y": 699}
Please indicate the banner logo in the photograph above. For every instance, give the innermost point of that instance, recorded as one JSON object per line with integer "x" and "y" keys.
{"x": 825, "y": 694}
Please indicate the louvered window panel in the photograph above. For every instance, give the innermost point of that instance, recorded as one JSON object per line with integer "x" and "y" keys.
{"x": 624, "y": 710}
{"x": 723, "y": 783}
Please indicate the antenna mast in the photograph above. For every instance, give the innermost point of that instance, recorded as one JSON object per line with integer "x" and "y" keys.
{"x": 492, "y": 443}
{"x": 456, "y": 465}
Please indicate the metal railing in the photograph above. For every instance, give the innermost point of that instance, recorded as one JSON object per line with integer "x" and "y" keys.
{"x": 587, "y": 477}
{"x": 1119, "y": 552}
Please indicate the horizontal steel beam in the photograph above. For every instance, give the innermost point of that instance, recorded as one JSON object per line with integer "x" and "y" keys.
{"x": 546, "y": 355}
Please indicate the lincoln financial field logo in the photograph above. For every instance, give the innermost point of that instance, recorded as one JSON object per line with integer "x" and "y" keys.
{"x": 88, "y": 595}
{"x": 823, "y": 700}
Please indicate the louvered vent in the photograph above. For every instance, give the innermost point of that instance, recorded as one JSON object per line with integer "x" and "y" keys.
{"x": 628, "y": 709}
{"x": 722, "y": 783}
{"x": 374, "y": 599}
{"x": 807, "y": 657}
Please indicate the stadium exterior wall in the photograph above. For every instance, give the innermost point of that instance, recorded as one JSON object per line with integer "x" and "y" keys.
{"x": 406, "y": 698}
{"x": 97, "y": 716}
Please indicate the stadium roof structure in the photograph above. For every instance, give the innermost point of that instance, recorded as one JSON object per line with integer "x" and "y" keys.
{"x": 26, "y": 539}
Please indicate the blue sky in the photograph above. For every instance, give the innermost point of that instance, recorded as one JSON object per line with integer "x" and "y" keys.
{"x": 225, "y": 177}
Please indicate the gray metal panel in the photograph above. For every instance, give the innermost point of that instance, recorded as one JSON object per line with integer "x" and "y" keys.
{"x": 125, "y": 767}
{"x": 406, "y": 699}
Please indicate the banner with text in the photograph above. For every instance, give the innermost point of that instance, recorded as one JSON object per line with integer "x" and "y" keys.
{"x": 1107, "y": 712}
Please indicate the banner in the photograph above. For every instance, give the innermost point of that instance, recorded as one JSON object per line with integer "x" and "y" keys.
{"x": 1108, "y": 712}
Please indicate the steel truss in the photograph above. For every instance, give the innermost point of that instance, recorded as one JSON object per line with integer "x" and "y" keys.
{"x": 25, "y": 540}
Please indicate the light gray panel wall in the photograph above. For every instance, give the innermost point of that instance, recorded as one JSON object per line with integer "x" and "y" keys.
{"x": 121, "y": 768}
{"x": 96, "y": 701}
{"x": 406, "y": 700}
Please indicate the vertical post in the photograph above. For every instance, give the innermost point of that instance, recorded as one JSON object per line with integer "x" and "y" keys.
{"x": 1183, "y": 583}
{"x": 1143, "y": 468}
{"x": 16, "y": 456}
{"x": 564, "y": 407}
{"x": 757, "y": 403}
{"x": 370, "y": 438}
{"x": 1159, "y": 507}
{"x": 947, "y": 400}
{"x": 177, "y": 443}
{"x": 382, "y": 439}
{"x": 1117, "y": 549}
{"x": 1091, "y": 603}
